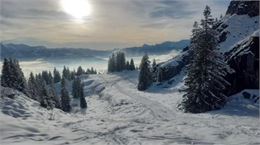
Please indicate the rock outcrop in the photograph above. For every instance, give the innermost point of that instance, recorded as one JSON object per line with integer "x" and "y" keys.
{"x": 244, "y": 59}
{"x": 239, "y": 7}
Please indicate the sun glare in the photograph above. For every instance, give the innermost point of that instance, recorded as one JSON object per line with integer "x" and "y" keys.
{"x": 79, "y": 9}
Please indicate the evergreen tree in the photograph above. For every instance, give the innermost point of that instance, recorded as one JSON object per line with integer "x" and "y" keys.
{"x": 145, "y": 75}
{"x": 113, "y": 63}
{"x": 54, "y": 96}
{"x": 154, "y": 71}
{"x": 46, "y": 77}
{"x": 50, "y": 77}
{"x": 46, "y": 99}
{"x": 205, "y": 80}
{"x": 127, "y": 65}
{"x": 66, "y": 73}
{"x": 6, "y": 74}
{"x": 154, "y": 63}
{"x": 92, "y": 70}
{"x": 80, "y": 71}
{"x": 56, "y": 76}
{"x": 76, "y": 88}
{"x": 65, "y": 98}
{"x": 12, "y": 76}
{"x": 109, "y": 66}
{"x": 32, "y": 87}
{"x": 73, "y": 75}
{"x": 132, "y": 64}
{"x": 83, "y": 103}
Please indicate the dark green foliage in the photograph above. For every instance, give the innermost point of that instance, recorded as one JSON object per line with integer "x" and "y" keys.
{"x": 73, "y": 75}
{"x": 56, "y": 76}
{"x": 12, "y": 75}
{"x": 205, "y": 80}
{"x": 66, "y": 73}
{"x": 47, "y": 99}
{"x": 65, "y": 98}
{"x": 32, "y": 87}
{"x": 80, "y": 71}
{"x": 117, "y": 63}
{"x": 145, "y": 75}
{"x": 42, "y": 92}
{"x": 127, "y": 65}
{"x": 154, "y": 63}
{"x": 132, "y": 64}
{"x": 47, "y": 77}
{"x": 120, "y": 61}
{"x": 54, "y": 96}
{"x": 83, "y": 103}
{"x": 91, "y": 71}
{"x": 76, "y": 88}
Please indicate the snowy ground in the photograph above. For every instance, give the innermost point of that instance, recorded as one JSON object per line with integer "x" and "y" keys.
{"x": 119, "y": 114}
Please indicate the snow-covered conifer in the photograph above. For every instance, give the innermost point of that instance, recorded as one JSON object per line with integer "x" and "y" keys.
{"x": 145, "y": 75}
{"x": 65, "y": 98}
{"x": 205, "y": 80}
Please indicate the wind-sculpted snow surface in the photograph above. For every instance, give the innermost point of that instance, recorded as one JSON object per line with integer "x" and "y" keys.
{"x": 118, "y": 114}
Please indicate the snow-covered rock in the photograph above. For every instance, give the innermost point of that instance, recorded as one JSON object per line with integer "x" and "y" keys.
{"x": 241, "y": 7}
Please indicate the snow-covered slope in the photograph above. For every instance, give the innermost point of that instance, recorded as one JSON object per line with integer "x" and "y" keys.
{"x": 238, "y": 28}
{"x": 119, "y": 114}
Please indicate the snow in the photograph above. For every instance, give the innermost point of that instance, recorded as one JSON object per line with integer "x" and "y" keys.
{"x": 239, "y": 28}
{"x": 119, "y": 114}
{"x": 175, "y": 60}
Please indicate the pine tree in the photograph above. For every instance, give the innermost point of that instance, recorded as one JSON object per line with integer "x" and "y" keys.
{"x": 83, "y": 103}
{"x": 12, "y": 76}
{"x": 80, "y": 71}
{"x": 113, "y": 63}
{"x": 44, "y": 99}
{"x": 73, "y": 74}
{"x": 32, "y": 87}
{"x": 132, "y": 64}
{"x": 127, "y": 65}
{"x": 65, "y": 98}
{"x": 6, "y": 72}
{"x": 92, "y": 70}
{"x": 54, "y": 96}
{"x": 145, "y": 75}
{"x": 205, "y": 80}
{"x": 109, "y": 66}
{"x": 76, "y": 88}
{"x": 50, "y": 77}
{"x": 66, "y": 73}
{"x": 154, "y": 63}
{"x": 56, "y": 76}
{"x": 46, "y": 77}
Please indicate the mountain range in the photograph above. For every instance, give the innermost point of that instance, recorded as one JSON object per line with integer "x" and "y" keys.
{"x": 26, "y": 52}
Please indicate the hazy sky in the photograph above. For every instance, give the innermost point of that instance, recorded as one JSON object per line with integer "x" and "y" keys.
{"x": 109, "y": 24}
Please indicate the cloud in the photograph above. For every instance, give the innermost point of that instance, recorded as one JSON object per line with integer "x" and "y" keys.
{"x": 172, "y": 9}
{"x": 113, "y": 23}
{"x": 30, "y": 9}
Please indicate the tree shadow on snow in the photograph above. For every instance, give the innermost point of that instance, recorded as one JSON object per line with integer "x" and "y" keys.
{"x": 238, "y": 106}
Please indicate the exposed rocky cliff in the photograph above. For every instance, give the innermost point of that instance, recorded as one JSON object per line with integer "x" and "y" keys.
{"x": 249, "y": 7}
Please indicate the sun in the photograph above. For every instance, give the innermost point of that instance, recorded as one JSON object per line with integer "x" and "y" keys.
{"x": 79, "y": 9}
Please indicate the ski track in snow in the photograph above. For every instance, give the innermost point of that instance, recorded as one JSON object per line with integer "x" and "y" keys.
{"x": 118, "y": 114}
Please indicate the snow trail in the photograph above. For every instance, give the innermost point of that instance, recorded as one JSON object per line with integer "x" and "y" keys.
{"x": 118, "y": 114}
